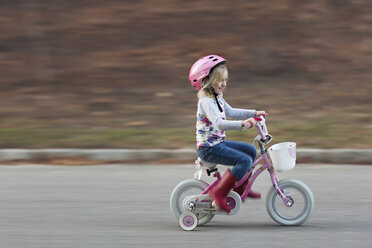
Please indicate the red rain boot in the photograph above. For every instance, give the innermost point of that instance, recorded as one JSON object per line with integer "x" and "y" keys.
{"x": 251, "y": 194}
{"x": 221, "y": 190}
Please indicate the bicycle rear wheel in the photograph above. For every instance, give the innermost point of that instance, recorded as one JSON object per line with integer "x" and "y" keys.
{"x": 301, "y": 209}
{"x": 181, "y": 191}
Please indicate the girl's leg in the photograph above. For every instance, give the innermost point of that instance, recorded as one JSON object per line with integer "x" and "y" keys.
{"x": 223, "y": 154}
{"x": 243, "y": 147}
{"x": 251, "y": 150}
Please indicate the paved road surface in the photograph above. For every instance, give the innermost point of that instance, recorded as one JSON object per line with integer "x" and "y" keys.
{"x": 127, "y": 206}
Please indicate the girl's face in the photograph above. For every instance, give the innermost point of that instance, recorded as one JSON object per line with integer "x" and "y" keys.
{"x": 220, "y": 86}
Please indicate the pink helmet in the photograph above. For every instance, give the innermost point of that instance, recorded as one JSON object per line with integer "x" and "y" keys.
{"x": 201, "y": 69}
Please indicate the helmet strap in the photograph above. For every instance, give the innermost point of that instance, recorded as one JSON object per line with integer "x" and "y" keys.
{"x": 215, "y": 97}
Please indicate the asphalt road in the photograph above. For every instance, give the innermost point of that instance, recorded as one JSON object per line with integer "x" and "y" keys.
{"x": 127, "y": 206}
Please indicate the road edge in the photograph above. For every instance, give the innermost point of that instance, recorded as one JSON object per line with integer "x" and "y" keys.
{"x": 337, "y": 156}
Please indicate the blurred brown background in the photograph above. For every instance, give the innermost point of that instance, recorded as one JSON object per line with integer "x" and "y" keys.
{"x": 115, "y": 73}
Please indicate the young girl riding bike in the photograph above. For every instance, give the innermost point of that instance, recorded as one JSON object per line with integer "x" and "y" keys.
{"x": 209, "y": 76}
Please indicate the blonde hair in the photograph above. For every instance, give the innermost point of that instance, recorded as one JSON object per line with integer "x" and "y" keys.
{"x": 214, "y": 77}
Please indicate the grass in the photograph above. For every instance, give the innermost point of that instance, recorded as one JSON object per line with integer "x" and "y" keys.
{"x": 319, "y": 134}
{"x": 168, "y": 120}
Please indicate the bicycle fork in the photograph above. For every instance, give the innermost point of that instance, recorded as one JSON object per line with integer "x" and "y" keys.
{"x": 287, "y": 199}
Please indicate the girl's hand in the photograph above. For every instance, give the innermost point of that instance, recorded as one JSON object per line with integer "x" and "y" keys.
{"x": 248, "y": 123}
{"x": 258, "y": 113}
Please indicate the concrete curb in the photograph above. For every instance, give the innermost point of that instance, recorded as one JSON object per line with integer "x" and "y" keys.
{"x": 336, "y": 156}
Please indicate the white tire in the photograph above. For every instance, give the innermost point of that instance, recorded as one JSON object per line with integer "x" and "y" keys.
{"x": 188, "y": 221}
{"x": 299, "y": 212}
{"x": 181, "y": 191}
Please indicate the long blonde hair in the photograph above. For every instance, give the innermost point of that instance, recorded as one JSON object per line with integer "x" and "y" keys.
{"x": 214, "y": 77}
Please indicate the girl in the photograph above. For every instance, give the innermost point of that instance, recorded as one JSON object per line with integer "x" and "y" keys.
{"x": 209, "y": 76}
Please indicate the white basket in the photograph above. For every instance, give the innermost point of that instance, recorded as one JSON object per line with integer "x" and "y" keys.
{"x": 283, "y": 156}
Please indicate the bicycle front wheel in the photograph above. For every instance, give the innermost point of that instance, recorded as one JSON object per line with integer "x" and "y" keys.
{"x": 301, "y": 209}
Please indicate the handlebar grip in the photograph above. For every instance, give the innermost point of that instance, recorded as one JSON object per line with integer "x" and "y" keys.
{"x": 259, "y": 118}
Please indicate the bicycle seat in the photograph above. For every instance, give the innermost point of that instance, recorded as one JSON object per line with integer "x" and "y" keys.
{"x": 206, "y": 164}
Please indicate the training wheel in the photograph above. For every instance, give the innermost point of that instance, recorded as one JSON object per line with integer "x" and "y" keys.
{"x": 188, "y": 221}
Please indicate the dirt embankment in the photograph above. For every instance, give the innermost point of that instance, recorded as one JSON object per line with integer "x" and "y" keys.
{"x": 114, "y": 73}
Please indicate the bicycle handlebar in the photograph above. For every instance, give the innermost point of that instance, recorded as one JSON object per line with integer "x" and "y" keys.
{"x": 262, "y": 129}
{"x": 258, "y": 118}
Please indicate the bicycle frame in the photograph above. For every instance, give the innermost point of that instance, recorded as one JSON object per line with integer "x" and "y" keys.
{"x": 266, "y": 166}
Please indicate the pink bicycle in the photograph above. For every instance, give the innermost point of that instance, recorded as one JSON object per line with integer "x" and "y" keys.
{"x": 288, "y": 202}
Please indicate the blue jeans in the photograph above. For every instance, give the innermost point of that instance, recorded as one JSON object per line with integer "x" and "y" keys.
{"x": 238, "y": 154}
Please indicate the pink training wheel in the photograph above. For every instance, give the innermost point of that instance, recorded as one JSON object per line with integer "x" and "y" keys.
{"x": 188, "y": 221}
